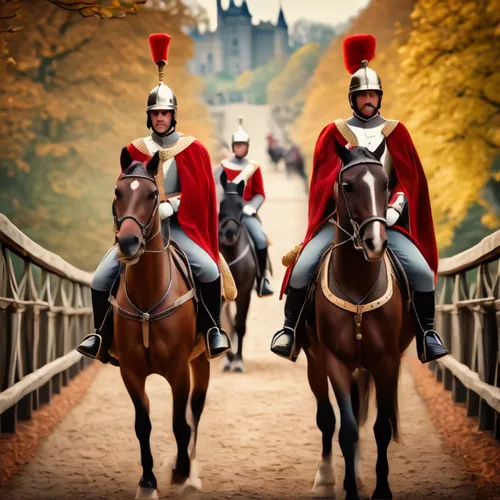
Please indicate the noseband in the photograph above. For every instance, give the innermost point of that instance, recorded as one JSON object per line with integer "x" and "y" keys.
{"x": 144, "y": 227}
{"x": 358, "y": 228}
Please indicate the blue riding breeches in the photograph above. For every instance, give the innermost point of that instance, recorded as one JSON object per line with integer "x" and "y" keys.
{"x": 256, "y": 232}
{"x": 203, "y": 266}
{"x": 420, "y": 275}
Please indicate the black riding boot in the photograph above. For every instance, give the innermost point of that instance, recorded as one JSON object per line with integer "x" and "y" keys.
{"x": 263, "y": 287}
{"x": 97, "y": 344}
{"x": 216, "y": 339}
{"x": 429, "y": 345}
{"x": 283, "y": 343}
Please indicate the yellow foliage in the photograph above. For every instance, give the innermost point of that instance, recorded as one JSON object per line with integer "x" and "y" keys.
{"x": 294, "y": 75}
{"x": 438, "y": 65}
{"x": 448, "y": 93}
{"x": 75, "y": 98}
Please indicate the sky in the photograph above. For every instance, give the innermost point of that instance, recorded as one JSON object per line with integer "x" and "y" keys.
{"x": 327, "y": 11}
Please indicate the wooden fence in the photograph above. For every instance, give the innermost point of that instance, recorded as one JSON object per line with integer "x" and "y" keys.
{"x": 45, "y": 309}
{"x": 468, "y": 317}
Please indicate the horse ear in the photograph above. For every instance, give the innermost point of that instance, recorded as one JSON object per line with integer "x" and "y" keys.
{"x": 223, "y": 179}
{"x": 380, "y": 150}
{"x": 125, "y": 159}
{"x": 153, "y": 164}
{"x": 344, "y": 154}
{"x": 240, "y": 187}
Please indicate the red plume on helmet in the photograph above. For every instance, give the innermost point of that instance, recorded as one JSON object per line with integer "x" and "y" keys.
{"x": 358, "y": 48}
{"x": 159, "y": 43}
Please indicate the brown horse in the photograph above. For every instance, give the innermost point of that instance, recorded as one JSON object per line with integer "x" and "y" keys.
{"x": 360, "y": 323}
{"x": 155, "y": 322}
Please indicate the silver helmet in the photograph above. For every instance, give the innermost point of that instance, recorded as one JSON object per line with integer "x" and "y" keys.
{"x": 365, "y": 78}
{"x": 240, "y": 135}
{"x": 162, "y": 97}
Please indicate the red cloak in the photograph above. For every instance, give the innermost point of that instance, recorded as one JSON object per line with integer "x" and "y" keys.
{"x": 254, "y": 185}
{"x": 411, "y": 180}
{"x": 197, "y": 213}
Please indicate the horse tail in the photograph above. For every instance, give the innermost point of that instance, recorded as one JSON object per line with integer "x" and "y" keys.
{"x": 364, "y": 383}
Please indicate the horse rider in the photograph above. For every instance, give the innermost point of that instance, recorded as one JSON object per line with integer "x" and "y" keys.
{"x": 253, "y": 196}
{"x": 410, "y": 229}
{"x": 186, "y": 171}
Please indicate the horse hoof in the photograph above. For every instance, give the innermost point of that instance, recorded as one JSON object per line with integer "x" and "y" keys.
{"x": 191, "y": 485}
{"x": 324, "y": 481}
{"x": 226, "y": 366}
{"x": 382, "y": 495}
{"x": 237, "y": 366}
{"x": 143, "y": 493}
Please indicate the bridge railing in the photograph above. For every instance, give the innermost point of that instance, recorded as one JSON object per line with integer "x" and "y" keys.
{"x": 45, "y": 308}
{"x": 468, "y": 316}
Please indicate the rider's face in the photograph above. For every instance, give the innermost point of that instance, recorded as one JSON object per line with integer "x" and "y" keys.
{"x": 240, "y": 149}
{"x": 367, "y": 102}
{"x": 161, "y": 120}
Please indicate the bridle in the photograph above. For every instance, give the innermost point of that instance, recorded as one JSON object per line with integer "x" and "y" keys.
{"x": 145, "y": 228}
{"x": 357, "y": 229}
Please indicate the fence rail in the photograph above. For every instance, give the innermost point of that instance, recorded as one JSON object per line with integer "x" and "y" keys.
{"x": 468, "y": 316}
{"x": 45, "y": 308}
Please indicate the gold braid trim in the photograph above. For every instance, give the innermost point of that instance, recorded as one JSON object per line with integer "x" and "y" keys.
{"x": 229, "y": 290}
{"x": 346, "y": 132}
{"x": 183, "y": 142}
{"x": 389, "y": 127}
{"x": 141, "y": 146}
{"x": 291, "y": 257}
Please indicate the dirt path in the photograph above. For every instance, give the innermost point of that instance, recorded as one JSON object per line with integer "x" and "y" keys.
{"x": 258, "y": 437}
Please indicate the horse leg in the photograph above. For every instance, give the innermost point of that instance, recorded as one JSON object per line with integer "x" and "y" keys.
{"x": 341, "y": 379}
{"x": 200, "y": 369}
{"x": 325, "y": 420}
{"x": 386, "y": 425}
{"x": 136, "y": 385}
{"x": 240, "y": 320}
{"x": 228, "y": 325}
{"x": 181, "y": 384}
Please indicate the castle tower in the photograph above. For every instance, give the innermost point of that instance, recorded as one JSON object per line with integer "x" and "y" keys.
{"x": 281, "y": 35}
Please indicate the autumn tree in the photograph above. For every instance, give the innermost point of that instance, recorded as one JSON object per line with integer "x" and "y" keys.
{"x": 327, "y": 90}
{"x": 285, "y": 91}
{"x": 449, "y": 95}
{"x": 254, "y": 83}
{"x": 75, "y": 94}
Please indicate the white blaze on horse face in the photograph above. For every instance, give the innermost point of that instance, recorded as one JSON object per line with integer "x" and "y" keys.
{"x": 134, "y": 185}
{"x": 369, "y": 178}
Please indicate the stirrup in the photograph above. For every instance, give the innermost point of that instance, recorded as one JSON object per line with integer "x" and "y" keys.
{"x": 83, "y": 353}
{"x": 440, "y": 349}
{"x": 222, "y": 333}
{"x": 294, "y": 350}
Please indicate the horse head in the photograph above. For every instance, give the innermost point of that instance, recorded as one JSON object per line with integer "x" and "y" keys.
{"x": 135, "y": 206}
{"x": 231, "y": 211}
{"x": 361, "y": 194}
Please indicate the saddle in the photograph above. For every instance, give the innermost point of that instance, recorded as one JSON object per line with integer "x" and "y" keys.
{"x": 394, "y": 270}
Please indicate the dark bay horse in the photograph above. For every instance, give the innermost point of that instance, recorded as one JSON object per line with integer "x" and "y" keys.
{"x": 155, "y": 322}
{"x": 234, "y": 243}
{"x": 360, "y": 323}
{"x": 274, "y": 150}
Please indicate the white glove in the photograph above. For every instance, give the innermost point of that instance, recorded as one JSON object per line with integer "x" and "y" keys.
{"x": 166, "y": 210}
{"x": 249, "y": 210}
{"x": 392, "y": 216}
